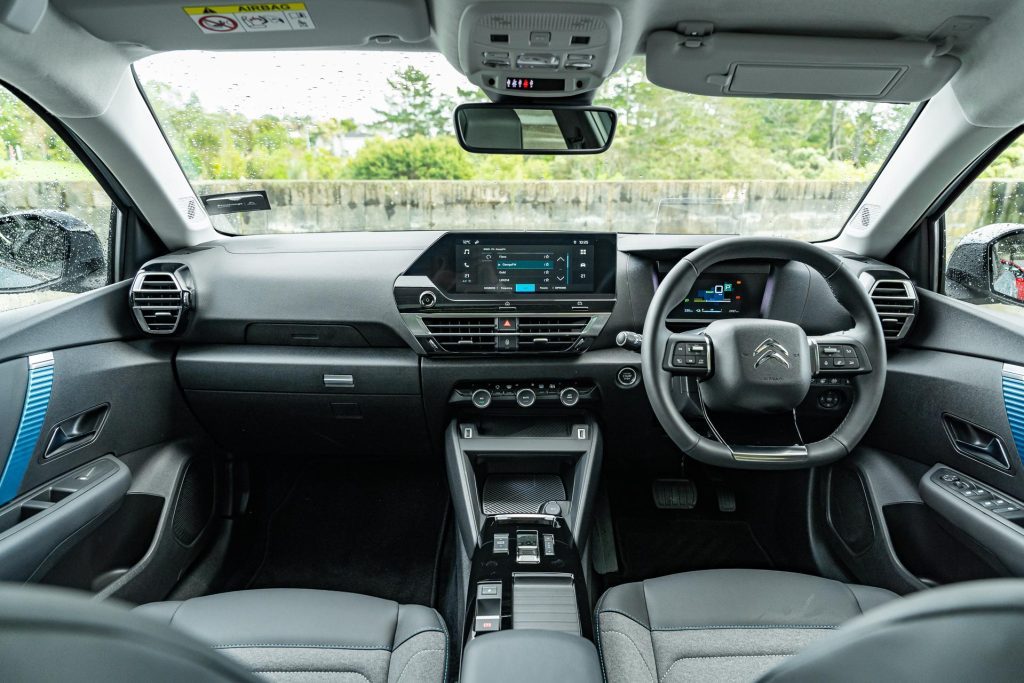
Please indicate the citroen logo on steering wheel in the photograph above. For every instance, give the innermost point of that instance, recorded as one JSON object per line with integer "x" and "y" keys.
{"x": 768, "y": 350}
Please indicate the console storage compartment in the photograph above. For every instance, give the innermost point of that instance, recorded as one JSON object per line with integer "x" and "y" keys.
{"x": 528, "y": 655}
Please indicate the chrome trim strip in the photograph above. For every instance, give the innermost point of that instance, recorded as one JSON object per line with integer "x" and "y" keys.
{"x": 769, "y": 453}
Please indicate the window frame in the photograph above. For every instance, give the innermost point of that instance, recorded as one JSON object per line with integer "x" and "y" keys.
{"x": 121, "y": 203}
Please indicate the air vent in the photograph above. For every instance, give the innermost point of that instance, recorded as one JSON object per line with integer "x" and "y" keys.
{"x": 534, "y": 334}
{"x": 159, "y": 301}
{"x": 462, "y": 334}
{"x": 896, "y": 303}
{"x": 553, "y": 333}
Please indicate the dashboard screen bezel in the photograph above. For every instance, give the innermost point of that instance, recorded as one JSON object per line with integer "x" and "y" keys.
{"x": 438, "y": 263}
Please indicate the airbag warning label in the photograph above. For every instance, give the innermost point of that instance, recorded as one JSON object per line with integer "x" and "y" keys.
{"x": 251, "y": 18}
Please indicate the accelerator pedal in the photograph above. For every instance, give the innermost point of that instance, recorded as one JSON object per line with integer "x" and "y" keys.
{"x": 674, "y": 494}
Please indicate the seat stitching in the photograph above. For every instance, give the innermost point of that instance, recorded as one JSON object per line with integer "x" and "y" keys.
{"x": 718, "y": 657}
{"x": 597, "y": 638}
{"x": 409, "y": 661}
{"x": 638, "y": 651}
{"x": 313, "y": 671}
{"x": 312, "y": 646}
{"x": 419, "y": 633}
{"x": 629, "y": 616}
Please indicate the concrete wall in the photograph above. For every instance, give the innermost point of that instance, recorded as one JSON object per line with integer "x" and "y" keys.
{"x": 800, "y": 209}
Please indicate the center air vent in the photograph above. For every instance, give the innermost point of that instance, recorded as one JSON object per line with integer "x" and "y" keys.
{"x": 159, "y": 299}
{"x": 896, "y": 303}
{"x": 485, "y": 334}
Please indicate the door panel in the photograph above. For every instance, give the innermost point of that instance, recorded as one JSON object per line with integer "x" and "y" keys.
{"x": 946, "y": 408}
{"x": 107, "y": 483}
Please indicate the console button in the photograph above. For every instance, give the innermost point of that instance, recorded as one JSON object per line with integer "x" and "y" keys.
{"x": 506, "y": 342}
{"x": 507, "y": 324}
{"x": 549, "y": 545}
{"x": 552, "y": 508}
{"x": 427, "y": 299}
{"x": 569, "y": 397}
{"x": 500, "y": 544}
{"x": 481, "y": 398}
{"x": 526, "y": 397}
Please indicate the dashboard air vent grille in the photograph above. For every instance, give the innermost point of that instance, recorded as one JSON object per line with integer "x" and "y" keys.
{"x": 534, "y": 333}
{"x": 550, "y": 333}
{"x": 462, "y": 334}
{"x": 158, "y": 301}
{"x": 896, "y": 303}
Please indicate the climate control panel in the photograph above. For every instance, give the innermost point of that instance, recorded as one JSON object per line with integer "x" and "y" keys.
{"x": 524, "y": 394}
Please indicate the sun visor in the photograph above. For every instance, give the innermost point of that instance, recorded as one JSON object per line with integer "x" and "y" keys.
{"x": 803, "y": 67}
{"x": 185, "y": 25}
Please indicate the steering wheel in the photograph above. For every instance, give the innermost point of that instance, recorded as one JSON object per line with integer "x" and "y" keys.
{"x": 762, "y": 365}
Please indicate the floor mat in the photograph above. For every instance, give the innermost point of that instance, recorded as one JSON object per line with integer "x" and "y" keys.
{"x": 371, "y": 528}
{"x": 650, "y": 547}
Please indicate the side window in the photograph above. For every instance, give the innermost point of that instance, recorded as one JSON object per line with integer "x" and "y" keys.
{"x": 55, "y": 218}
{"x": 984, "y": 257}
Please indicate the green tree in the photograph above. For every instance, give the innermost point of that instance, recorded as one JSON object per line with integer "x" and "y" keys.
{"x": 414, "y": 107}
{"x": 411, "y": 158}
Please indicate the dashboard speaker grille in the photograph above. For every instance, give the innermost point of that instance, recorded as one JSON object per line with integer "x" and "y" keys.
{"x": 896, "y": 303}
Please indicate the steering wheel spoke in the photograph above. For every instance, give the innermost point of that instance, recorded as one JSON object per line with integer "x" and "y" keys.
{"x": 688, "y": 353}
{"x": 838, "y": 354}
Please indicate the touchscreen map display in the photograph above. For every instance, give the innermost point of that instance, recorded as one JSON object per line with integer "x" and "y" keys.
{"x": 524, "y": 269}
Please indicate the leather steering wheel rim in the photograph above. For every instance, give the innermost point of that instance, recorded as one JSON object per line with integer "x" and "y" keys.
{"x": 848, "y": 292}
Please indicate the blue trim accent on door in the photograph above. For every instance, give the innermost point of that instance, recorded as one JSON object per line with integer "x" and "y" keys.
{"x": 1013, "y": 398}
{"x": 37, "y": 399}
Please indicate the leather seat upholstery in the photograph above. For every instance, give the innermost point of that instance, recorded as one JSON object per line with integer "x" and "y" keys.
{"x": 298, "y": 635}
{"x": 720, "y": 625}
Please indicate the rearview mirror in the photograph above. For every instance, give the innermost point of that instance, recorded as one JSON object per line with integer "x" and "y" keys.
{"x": 987, "y": 265}
{"x": 534, "y": 128}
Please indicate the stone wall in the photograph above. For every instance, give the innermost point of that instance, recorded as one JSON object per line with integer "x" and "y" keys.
{"x": 800, "y": 209}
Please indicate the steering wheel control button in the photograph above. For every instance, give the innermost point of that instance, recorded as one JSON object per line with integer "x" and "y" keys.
{"x": 830, "y": 400}
{"x": 569, "y": 397}
{"x": 690, "y": 355}
{"x": 481, "y": 398}
{"x": 838, "y": 357}
{"x": 526, "y": 398}
{"x": 627, "y": 377}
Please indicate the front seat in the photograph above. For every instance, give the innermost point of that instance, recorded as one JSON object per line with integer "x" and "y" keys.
{"x": 720, "y": 625}
{"x": 294, "y": 635}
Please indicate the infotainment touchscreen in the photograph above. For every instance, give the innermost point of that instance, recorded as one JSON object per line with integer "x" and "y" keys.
{"x": 486, "y": 267}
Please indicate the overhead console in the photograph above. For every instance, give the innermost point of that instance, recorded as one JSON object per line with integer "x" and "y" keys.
{"x": 509, "y": 292}
{"x": 549, "y": 50}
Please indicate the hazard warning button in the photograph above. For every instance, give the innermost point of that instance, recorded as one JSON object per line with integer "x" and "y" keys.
{"x": 507, "y": 324}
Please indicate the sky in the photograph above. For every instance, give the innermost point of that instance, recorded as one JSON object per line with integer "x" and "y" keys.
{"x": 323, "y": 84}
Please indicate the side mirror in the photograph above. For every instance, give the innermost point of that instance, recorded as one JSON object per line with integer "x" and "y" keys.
{"x": 534, "y": 128}
{"x": 987, "y": 266}
{"x": 43, "y": 249}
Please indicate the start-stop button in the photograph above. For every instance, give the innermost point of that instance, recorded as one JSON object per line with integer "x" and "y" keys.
{"x": 627, "y": 377}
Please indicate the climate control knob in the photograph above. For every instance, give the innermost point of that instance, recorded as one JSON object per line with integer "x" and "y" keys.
{"x": 526, "y": 397}
{"x": 481, "y": 398}
{"x": 569, "y": 397}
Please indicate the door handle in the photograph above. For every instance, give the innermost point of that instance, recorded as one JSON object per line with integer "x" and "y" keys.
{"x": 76, "y": 431}
{"x": 974, "y": 441}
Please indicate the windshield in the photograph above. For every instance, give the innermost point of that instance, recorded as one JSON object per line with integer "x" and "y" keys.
{"x": 345, "y": 141}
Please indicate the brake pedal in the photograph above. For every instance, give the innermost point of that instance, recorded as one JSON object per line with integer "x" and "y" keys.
{"x": 674, "y": 494}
